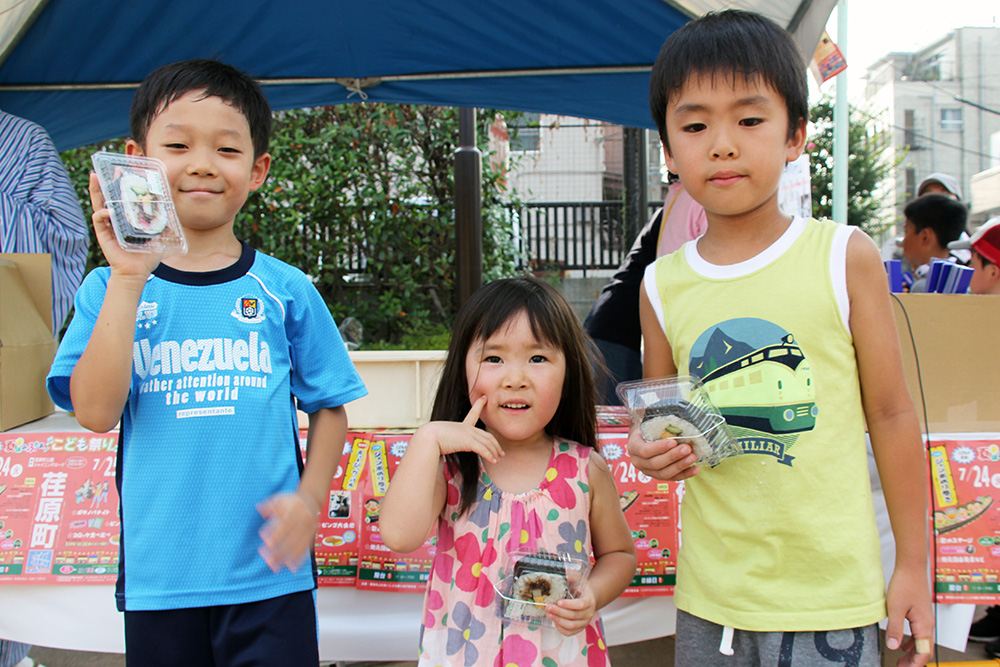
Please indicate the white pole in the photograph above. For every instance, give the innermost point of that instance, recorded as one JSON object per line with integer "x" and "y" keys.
{"x": 841, "y": 125}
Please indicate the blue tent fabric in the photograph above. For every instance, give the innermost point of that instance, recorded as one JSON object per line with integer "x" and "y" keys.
{"x": 75, "y": 67}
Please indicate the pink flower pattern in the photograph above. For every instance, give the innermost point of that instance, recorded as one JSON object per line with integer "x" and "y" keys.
{"x": 474, "y": 553}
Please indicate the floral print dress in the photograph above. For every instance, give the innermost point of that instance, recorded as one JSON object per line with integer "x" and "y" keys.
{"x": 462, "y": 621}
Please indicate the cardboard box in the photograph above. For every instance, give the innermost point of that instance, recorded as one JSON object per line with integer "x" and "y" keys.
{"x": 401, "y": 387}
{"x": 954, "y": 339}
{"x": 26, "y": 343}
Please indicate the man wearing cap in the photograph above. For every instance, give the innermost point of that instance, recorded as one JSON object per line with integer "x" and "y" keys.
{"x": 985, "y": 262}
{"x": 942, "y": 183}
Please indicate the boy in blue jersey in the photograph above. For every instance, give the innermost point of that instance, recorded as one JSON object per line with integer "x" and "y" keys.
{"x": 203, "y": 358}
{"x": 788, "y": 323}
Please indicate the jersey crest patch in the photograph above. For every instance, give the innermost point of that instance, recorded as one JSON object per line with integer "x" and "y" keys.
{"x": 249, "y": 309}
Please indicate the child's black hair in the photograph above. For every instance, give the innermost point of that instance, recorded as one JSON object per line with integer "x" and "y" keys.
{"x": 553, "y": 321}
{"x": 734, "y": 44}
{"x": 170, "y": 82}
{"x": 945, "y": 216}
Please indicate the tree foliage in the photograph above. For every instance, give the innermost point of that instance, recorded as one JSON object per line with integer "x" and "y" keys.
{"x": 869, "y": 162}
{"x": 360, "y": 197}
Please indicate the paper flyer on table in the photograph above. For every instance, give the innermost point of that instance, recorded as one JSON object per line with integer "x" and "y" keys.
{"x": 381, "y": 568}
{"x": 58, "y": 508}
{"x": 652, "y": 511}
{"x": 966, "y": 520}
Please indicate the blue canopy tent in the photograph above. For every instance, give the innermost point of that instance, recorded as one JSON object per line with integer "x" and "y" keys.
{"x": 72, "y": 66}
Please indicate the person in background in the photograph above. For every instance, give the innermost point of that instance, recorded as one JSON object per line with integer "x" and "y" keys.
{"x": 940, "y": 183}
{"x": 932, "y": 222}
{"x": 223, "y": 467}
{"x": 985, "y": 262}
{"x": 39, "y": 212}
{"x": 613, "y": 321}
{"x": 755, "y": 582}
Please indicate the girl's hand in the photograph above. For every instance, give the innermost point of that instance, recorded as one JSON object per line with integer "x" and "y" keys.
{"x": 290, "y": 530}
{"x": 463, "y": 436}
{"x": 121, "y": 261}
{"x": 670, "y": 460}
{"x": 572, "y": 615}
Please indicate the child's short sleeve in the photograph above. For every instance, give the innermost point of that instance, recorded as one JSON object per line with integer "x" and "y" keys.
{"x": 87, "y": 306}
{"x": 323, "y": 375}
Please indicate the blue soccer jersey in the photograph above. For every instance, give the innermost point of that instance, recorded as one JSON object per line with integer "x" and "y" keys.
{"x": 209, "y": 429}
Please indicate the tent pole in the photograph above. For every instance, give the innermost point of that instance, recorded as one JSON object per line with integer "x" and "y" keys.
{"x": 841, "y": 125}
{"x": 468, "y": 209}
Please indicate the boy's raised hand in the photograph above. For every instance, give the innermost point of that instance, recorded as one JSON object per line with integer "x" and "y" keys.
{"x": 121, "y": 261}
{"x": 289, "y": 530}
{"x": 463, "y": 436}
{"x": 669, "y": 459}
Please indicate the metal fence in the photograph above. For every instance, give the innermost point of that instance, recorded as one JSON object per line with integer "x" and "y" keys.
{"x": 573, "y": 235}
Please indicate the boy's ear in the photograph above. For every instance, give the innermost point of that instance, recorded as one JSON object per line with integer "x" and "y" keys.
{"x": 668, "y": 160}
{"x": 796, "y": 142}
{"x": 258, "y": 174}
{"x": 132, "y": 148}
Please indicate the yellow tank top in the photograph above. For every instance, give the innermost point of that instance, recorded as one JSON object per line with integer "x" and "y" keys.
{"x": 783, "y": 536}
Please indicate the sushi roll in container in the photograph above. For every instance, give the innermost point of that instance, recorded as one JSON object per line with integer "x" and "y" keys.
{"x": 680, "y": 408}
{"x": 536, "y": 580}
{"x": 137, "y": 194}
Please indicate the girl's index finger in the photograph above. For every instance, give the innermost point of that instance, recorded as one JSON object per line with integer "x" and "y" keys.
{"x": 472, "y": 418}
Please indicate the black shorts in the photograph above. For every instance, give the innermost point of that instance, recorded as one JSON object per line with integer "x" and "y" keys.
{"x": 279, "y": 631}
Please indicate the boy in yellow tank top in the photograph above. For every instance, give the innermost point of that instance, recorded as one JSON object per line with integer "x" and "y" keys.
{"x": 788, "y": 322}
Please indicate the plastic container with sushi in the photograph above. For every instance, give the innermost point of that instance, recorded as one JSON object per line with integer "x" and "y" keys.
{"x": 137, "y": 194}
{"x": 536, "y": 580}
{"x": 679, "y": 407}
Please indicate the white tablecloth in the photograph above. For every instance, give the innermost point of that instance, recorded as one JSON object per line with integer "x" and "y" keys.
{"x": 353, "y": 624}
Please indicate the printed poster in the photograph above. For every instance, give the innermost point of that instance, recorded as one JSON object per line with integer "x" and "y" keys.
{"x": 58, "y": 508}
{"x": 966, "y": 520}
{"x": 380, "y": 568}
{"x": 652, "y": 510}
{"x": 338, "y": 530}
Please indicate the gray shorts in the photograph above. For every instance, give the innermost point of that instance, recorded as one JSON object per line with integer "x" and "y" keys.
{"x": 698, "y": 641}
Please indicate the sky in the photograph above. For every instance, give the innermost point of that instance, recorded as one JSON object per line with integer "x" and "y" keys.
{"x": 878, "y": 27}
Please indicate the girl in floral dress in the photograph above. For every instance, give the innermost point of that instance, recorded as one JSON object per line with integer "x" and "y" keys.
{"x": 509, "y": 464}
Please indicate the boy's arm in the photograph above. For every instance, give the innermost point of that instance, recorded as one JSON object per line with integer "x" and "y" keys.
{"x": 290, "y": 530}
{"x": 662, "y": 459}
{"x": 100, "y": 382}
{"x": 896, "y": 441}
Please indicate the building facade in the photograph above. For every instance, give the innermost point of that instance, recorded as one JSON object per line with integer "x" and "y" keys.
{"x": 942, "y": 104}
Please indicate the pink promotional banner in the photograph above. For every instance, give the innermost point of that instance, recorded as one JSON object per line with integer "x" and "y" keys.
{"x": 58, "y": 508}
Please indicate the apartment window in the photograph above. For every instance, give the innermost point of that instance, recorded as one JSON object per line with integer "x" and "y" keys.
{"x": 910, "y": 183}
{"x": 909, "y": 133}
{"x": 524, "y": 135}
{"x": 951, "y": 120}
